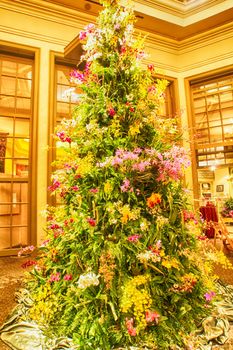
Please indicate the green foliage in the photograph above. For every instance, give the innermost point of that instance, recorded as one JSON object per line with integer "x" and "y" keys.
{"x": 121, "y": 264}
{"x": 228, "y": 208}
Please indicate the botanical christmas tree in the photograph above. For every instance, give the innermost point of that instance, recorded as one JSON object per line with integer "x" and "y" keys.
{"x": 121, "y": 265}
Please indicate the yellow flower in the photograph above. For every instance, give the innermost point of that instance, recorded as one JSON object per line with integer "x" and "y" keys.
{"x": 107, "y": 187}
{"x": 134, "y": 129}
{"x": 169, "y": 263}
{"x": 136, "y": 300}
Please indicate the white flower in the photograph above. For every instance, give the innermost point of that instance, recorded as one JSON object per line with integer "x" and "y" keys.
{"x": 87, "y": 280}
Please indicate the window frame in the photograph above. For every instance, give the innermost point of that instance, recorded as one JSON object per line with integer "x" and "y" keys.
{"x": 23, "y": 51}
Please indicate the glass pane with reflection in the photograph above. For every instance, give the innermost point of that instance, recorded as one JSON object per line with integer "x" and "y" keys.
{"x": 21, "y": 148}
{"x": 22, "y": 127}
{"x": 7, "y": 105}
{"x": 23, "y": 106}
{"x": 8, "y": 86}
{"x": 63, "y": 76}
{"x": 24, "y": 87}
{"x": 21, "y": 217}
{"x": 9, "y": 67}
{"x": 24, "y": 70}
{"x": 21, "y": 168}
{"x": 5, "y": 220}
{"x": 5, "y": 234}
{"x": 19, "y": 237}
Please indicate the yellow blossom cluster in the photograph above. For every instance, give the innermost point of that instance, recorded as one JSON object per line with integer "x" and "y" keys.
{"x": 171, "y": 262}
{"x": 135, "y": 128}
{"x": 85, "y": 165}
{"x": 136, "y": 300}
{"x": 128, "y": 214}
{"x": 44, "y": 302}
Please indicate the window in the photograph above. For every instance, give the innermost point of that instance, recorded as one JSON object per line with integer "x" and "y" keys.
{"x": 212, "y": 103}
{"x": 16, "y": 74}
{"x": 65, "y": 97}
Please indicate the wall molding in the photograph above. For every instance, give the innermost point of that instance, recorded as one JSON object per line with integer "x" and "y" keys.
{"x": 49, "y": 11}
{"x": 72, "y": 18}
{"x": 32, "y": 35}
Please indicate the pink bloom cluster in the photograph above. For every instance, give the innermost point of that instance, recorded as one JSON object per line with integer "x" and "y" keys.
{"x": 63, "y": 137}
{"x": 77, "y": 77}
{"x": 57, "y": 229}
{"x": 152, "y": 89}
{"x": 74, "y": 188}
{"x": 156, "y": 248}
{"x": 189, "y": 215}
{"x": 28, "y": 263}
{"x": 134, "y": 238}
{"x": 26, "y": 250}
{"x": 45, "y": 243}
{"x": 209, "y": 296}
{"x": 56, "y": 184}
{"x": 67, "y": 222}
{"x": 141, "y": 166}
{"x": 151, "y": 67}
{"x": 88, "y": 30}
{"x": 111, "y": 112}
{"x": 55, "y": 277}
{"x": 94, "y": 190}
{"x": 67, "y": 277}
{"x": 171, "y": 163}
{"x": 152, "y": 316}
{"x": 125, "y": 187}
{"x": 91, "y": 222}
{"x": 130, "y": 328}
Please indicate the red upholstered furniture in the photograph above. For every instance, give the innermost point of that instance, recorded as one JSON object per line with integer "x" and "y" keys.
{"x": 209, "y": 214}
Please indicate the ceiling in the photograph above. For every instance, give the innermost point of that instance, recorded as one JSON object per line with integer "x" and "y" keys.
{"x": 175, "y": 19}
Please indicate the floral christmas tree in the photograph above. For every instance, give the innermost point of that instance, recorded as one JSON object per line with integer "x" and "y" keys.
{"x": 121, "y": 265}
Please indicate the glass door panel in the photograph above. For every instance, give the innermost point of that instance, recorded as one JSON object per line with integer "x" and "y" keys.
{"x": 15, "y": 150}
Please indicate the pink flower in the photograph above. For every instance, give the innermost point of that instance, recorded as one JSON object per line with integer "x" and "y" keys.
{"x": 82, "y": 35}
{"x": 62, "y": 136}
{"x": 152, "y": 316}
{"x": 171, "y": 163}
{"x": 123, "y": 49}
{"x": 151, "y": 89}
{"x": 134, "y": 238}
{"x": 67, "y": 277}
{"x": 55, "y": 277}
{"x": 140, "y": 55}
{"x": 26, "y": 250}
{"x": 117, "y": 161}
{"x": 131, "y": 330}
{"x": 111, "y": 112}
{"x": 75, "y": 188}
{"x": 141, "y": 166}
{"x": 91, "y": 221}
{"x": 117, "y": 26}
{"x": 54, "y": 226}
{"x": 54, "y": 185}
{"x": 150, "y": 67}
{"x": 77, "y": 76}
{"x": 209, "y": 296}
{"x": 28, "y": 263}
{"x": 94, "y": 190}
{"x": 45, "y": 243}
{"x": 90, "y": 28}
{"x": 125, "y": 186}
